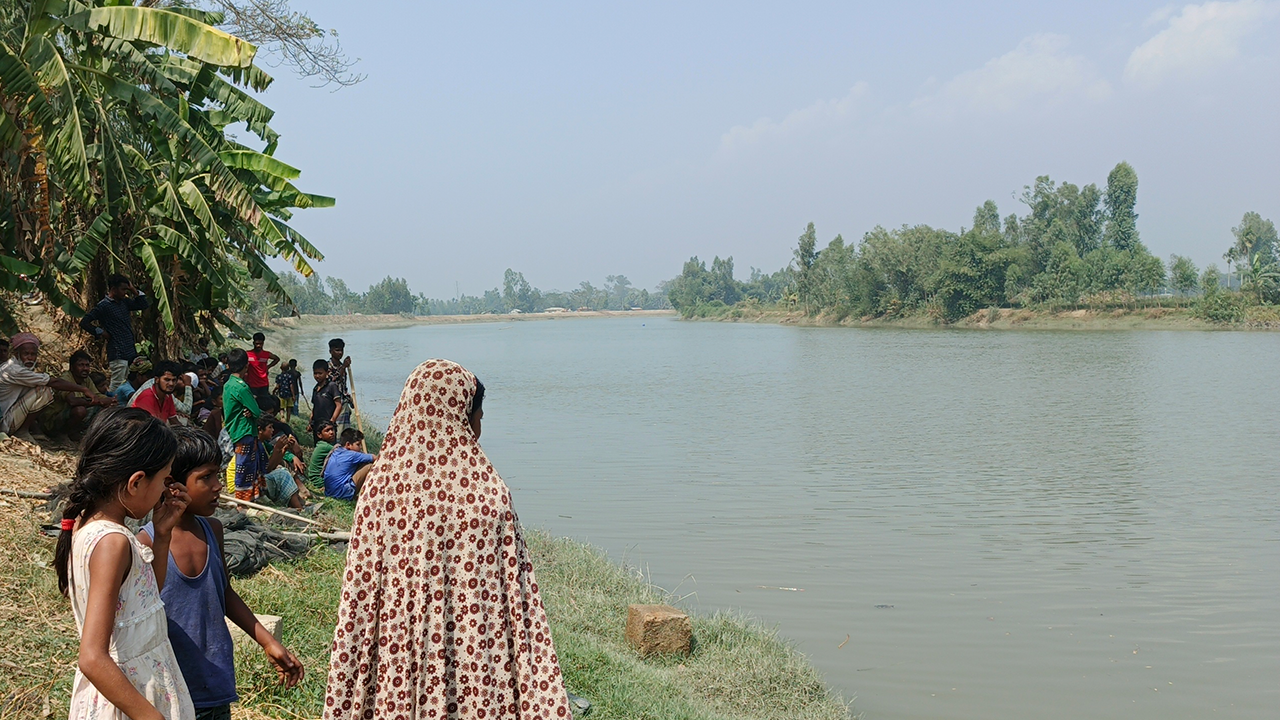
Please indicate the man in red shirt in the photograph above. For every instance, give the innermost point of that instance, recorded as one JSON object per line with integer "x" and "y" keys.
{"x": 158, "y": 399}
{"x": 260, "y": 361}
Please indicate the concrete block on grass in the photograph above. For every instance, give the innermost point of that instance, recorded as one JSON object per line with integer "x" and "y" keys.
{"x": 659, "y": 630}
{"x": 273, "y": 623}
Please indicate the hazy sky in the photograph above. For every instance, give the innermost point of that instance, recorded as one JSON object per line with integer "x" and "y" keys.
{"x": 574, "y": 141}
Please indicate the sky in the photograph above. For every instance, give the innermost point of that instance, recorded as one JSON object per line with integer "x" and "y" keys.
{"x": 572, "y": 141}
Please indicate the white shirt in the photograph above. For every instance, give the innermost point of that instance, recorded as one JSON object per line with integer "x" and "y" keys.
{"x": 15, "y": 379}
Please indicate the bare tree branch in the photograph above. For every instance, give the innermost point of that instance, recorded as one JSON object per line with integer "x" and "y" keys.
{"x": 292, "y": 36}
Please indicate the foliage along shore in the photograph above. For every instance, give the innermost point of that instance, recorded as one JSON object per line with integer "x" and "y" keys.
{"x": 1139, "y": 318}
{"x": 739, "y": 669}
{"x": 1076, "y": 248}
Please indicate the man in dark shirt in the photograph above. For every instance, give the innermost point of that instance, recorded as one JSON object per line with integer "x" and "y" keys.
{"x": 115, "y": 327}
{"x": 326, "y": 399}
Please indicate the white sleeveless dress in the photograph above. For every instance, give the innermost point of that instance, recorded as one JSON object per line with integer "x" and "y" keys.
{"x": 140, "y": 639}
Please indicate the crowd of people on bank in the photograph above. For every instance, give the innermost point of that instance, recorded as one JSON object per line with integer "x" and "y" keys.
{"x": 440, "y": 615}
{"x": 230, "y": 396}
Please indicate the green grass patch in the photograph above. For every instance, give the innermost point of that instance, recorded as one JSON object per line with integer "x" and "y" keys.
{"x": 738, "y": 670}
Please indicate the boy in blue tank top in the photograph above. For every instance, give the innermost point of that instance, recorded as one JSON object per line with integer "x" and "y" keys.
{"x": 197, "y": 593}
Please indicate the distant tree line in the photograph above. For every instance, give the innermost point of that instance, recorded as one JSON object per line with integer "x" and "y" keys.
{"x": 316, "y": 295}
{"x": 1074, "y": 247}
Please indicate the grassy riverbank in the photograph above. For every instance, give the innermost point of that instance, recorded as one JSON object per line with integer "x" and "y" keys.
{"x": 1142, "y": 318}
{"x": 739, "y": 670}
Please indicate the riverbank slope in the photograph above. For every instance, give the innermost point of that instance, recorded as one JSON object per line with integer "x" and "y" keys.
{"x": 740, "y": 669}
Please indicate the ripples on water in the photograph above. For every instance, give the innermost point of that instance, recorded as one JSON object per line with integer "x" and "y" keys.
{"x": 1066, "y": 525}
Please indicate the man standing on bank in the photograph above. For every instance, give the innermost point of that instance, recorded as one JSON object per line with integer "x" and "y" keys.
{"x": 114, "y": 326}
{"x": 260, "y": 361}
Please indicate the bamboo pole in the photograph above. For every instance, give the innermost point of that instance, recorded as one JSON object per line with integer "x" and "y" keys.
{"x": 341, "y": 536}
{"x": 273, "y": 511}
{"x": 355, "y": 407}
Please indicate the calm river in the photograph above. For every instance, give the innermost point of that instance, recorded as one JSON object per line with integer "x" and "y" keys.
{"x": 1002, "y": 524}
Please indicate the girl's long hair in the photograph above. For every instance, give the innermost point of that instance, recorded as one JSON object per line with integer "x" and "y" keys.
{"x": 118, "y": 443}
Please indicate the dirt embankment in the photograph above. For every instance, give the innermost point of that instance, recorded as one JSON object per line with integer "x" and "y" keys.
{"x": 31, "y": 468}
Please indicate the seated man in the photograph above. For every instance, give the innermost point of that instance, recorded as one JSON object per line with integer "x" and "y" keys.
{"x": 25, "y": 392}
{"x": 347, "y": 467}
{"x": 70, "y": 412}
{"x": 135, "y": 375}
{"x": 157, "y": 396}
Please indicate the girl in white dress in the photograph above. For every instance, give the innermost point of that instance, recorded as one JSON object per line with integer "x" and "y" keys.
{"x": 126, "y": 666}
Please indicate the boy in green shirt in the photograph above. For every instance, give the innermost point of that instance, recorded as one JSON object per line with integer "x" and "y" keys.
{"x": 240, "y": 413}
{"x": 326, "y": 435}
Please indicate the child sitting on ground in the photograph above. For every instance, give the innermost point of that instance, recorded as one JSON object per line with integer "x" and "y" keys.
{"x": 326, "y": 436}
{"x": 197, "y": 592}
{"x": 126, "y": 667}
{"x": 346, "y": 469}
{"x": 278, "y": 484}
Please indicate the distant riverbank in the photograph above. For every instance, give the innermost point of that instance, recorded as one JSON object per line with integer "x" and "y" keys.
{"x": 1153, "y": 318}
{"x": 357, "y": 321}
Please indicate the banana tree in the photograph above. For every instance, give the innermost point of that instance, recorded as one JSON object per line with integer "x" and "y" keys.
{"x": 115, "y": 157}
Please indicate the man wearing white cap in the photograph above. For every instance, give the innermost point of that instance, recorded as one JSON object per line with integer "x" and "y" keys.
{"x": 23, "y": 391}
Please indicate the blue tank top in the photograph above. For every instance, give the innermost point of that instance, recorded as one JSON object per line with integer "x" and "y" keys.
{"x": 196, "y": 607}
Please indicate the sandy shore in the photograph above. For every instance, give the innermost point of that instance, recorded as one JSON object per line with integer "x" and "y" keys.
{"x": 311, "y": 322}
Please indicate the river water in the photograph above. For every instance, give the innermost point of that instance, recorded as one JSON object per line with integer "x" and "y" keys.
{"x": 951, "y": 524}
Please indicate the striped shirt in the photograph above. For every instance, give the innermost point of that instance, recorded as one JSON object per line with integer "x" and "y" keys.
{"x": 113, "y": 317}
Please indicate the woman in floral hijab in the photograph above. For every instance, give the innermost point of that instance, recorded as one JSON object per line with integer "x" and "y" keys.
{"x": 440, "y": 615}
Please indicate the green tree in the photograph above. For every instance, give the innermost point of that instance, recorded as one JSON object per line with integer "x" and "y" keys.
{"x": 1260, "y": 279}
{"x": 1120, "y": 200}
{"x": 805, "y": 254}
{"x": 986, "y": 219}
{"x": 1184, "y": 277}
{"x": 723, "y": 286}
{"x": 1255, "y": 236}
{"x": 308, "y": 294}
{"x": 518, "y": 294}
{"x": 390, "y": 296}
{"x": 621, "y": 294}
{"x": 973, "y": 272}
{"x": 344, "y": 301}
{"x": 1144, "y": 274}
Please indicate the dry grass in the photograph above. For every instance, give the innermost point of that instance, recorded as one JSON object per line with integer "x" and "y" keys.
{"x": 35, "y": 620}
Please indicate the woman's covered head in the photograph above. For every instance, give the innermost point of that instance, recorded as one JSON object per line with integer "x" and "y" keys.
{"x": 445, "y": 391}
